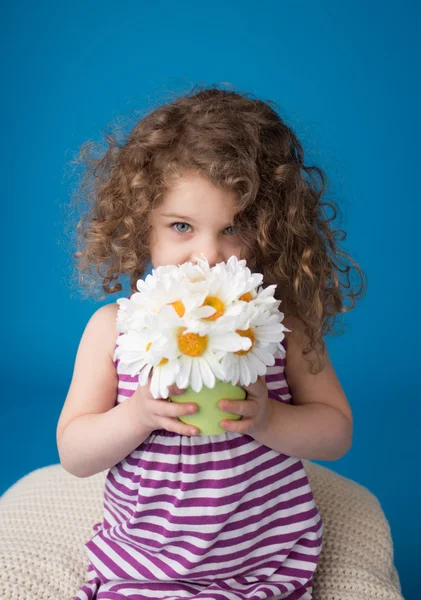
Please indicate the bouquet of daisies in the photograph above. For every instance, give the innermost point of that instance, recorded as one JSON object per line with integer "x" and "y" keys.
{"x": 193, "y": 325}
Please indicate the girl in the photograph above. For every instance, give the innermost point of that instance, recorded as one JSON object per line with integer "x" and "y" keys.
{"x": 227, "y": 516}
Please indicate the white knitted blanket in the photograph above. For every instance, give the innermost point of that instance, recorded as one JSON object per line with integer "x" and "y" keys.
{"x": 47, "y": 516}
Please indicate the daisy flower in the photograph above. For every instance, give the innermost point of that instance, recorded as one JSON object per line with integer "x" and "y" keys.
{"x": 185, "y": 290}
{"x": 191, "y": 324}
{"x": 196, "y": 354}
{"x": 225, "y": 284}
{"x": 134, "y": 349}
{"x": 129, "y": 316}
{"x": 265, "y": 332}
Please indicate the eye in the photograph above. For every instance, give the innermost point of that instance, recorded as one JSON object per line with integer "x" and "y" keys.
{"x": 179, "y": 223}
{"x": 175, "y": 226}
{"x": 235, "y": 230}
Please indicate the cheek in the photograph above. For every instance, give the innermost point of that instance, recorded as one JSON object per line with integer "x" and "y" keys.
{"x": 159, "y": 239}
{"x": 152, "y": 238}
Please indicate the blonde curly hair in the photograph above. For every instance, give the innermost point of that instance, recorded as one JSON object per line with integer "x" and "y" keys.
{"x": 240, "y": 143}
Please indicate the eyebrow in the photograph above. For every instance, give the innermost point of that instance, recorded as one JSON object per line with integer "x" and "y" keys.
{"x": 184, "y": 218}
{"x": 178, "y": 217}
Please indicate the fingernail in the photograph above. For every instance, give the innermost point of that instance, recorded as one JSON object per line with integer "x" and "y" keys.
{"x": 191, "y": 409}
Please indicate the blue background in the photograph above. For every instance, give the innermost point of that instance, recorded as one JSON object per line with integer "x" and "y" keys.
{"x": 345, "y": 76}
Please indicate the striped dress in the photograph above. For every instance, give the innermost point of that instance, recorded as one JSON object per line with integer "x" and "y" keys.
{"x": 209, "y": 517}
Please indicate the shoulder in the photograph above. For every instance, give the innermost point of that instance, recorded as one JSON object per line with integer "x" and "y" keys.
{"x": 106, "y": 315}
{"x": 108, "y": 311}
{"x": 296, "y": 338}
{"x": 102, "y": 325}
{"x": 297, "y": 341}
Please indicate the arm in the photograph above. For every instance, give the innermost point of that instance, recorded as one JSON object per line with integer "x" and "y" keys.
{"x": 94, "y": 434}
{"x": 319, "y": 425}
{"x": 313, "y": 431}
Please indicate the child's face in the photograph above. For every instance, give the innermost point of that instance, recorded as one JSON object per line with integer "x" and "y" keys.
{"x": 203, "y": 214}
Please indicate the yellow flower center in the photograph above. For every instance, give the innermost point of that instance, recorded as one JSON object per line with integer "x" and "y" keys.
{"x": 162, "y": 361}
{"x": 217, "y": 305}
{"x": 245, "y": 333}
{"x": 179, "y": 307}
{"x": 192, "y": 344}
{"x": 247, "y": 297}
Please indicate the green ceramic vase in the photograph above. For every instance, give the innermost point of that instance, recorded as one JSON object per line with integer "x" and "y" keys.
{"x": 209, "y": 415}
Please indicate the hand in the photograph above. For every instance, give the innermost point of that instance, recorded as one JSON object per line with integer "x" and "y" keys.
{"x": 159, "y": 413}
{"x": 256, "y": 409}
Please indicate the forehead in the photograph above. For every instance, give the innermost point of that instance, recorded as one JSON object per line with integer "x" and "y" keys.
{"x": 193, "y": 195}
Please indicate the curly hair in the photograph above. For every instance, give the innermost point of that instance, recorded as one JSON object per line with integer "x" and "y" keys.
{"x": 239, "y": 143}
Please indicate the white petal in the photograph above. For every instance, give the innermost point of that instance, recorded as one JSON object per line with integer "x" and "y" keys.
{"x": 183, "y": 377}
{"x": 216, "y": 366}
{"x": 204, "y": 311}
{"x": 230, "y": 342}
{"x": 144, "y": 375}
{"x": 244, "y": 372}
{"x": 230, "y": 366}
{"x": 168, "y": 373}
{"x": 154, "y": 385}
{"x": 255, "y": 366}
{"x": 196, "y": 379}
{"x": 266, "y": 357}
{"x": 270, "y": 333}
{"x": 208, "y": 376}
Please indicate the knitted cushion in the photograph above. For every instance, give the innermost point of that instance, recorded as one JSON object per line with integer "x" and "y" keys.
{"x": 47, "y": 516}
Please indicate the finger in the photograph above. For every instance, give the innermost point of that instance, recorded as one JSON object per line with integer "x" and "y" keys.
{"x": 178, "y": 427}
{"x": 257, "y": 385}
{"x": 174, "y": 390}
{"x": 163, "y": 408}
{"x": 241, "y": 426}
{"x": 246, "y": 408}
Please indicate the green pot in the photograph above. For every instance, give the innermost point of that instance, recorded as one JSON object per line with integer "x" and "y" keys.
{"x": 209, "y": 415}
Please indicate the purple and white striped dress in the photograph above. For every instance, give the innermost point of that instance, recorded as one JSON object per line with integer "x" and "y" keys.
{"x": 209, "y": 517}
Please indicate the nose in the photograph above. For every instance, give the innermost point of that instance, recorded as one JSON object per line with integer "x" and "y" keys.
{"x": 211, "y": 251}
